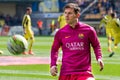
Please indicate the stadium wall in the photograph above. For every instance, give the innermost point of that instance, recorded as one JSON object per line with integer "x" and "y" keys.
{"x": 8, "y": 8}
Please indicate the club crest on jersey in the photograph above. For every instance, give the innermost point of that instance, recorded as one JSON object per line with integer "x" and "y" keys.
{"x": 81, "y": 36}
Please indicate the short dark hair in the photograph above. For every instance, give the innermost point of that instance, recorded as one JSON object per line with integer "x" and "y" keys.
{"x": 72, "y": 6}
{"x": 113, "y": 14}
{"x": 28, "y": 8}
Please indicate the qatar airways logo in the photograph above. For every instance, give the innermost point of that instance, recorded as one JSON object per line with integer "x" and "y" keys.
{"x": 75, "y": 45}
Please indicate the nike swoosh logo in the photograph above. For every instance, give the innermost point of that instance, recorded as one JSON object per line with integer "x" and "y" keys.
{"x": 67, "y": 36}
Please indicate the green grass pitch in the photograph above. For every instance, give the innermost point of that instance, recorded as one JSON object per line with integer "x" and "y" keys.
{"x": 41, "y": 48}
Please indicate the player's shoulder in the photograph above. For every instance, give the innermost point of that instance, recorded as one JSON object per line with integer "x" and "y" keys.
{"x": 26, "y": 15}
{"x": 107, "y": 17}
{"x": 63, "y": 28}
{"x": 86, "y": 26}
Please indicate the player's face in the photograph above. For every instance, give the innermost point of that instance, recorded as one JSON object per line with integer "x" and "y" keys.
{"x": 30, "y": 11}
{"x": 70, "y": 16}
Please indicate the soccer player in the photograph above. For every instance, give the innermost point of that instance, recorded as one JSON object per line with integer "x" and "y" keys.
{"x": 106, "y": 21}
{"x": 39, "y": 25}
{"x": 61, "y": 21}
{"x": 76, "y": 39}
{"x": 28, "y": 33}
{"x": 115, "y": 23}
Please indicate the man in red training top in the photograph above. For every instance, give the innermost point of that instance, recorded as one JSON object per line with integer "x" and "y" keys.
{"x": 76, "y": 39}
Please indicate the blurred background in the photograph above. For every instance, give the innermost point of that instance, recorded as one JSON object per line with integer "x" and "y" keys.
{"x": 46, "y": 13}
{"x": 12, "y": 11}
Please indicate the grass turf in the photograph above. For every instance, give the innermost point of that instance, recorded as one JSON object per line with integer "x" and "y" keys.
{"x": 41, "y": 48}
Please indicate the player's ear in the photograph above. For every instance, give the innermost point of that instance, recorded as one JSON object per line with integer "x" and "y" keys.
{"x": 78, "y": 15}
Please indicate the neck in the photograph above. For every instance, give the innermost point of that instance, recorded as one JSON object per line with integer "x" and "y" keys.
{"x": 27, "y": 13}
{"x": 73, "y": 23}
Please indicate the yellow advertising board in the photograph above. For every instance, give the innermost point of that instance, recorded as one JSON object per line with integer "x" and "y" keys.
{"x": 49, "y": 6}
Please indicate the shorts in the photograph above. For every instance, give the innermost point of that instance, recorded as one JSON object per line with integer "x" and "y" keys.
{"x": 81, "y": 76}
{"x": 109, "y": 33}
{"x": 28, "y": 35}
{"x": 116, "y": 39}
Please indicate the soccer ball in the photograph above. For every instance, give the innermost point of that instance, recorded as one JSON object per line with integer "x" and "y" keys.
{"x": 17, "y": 44}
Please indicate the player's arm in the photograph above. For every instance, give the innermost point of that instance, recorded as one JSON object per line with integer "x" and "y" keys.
{"x": 101, "y": 64}
{"x": 54, "y": 54}
{"x": 25, "y": 23}
{"x": 117, "y": 22}
{"x": 97, "y": 48}
{"x": 103, "y": 21}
